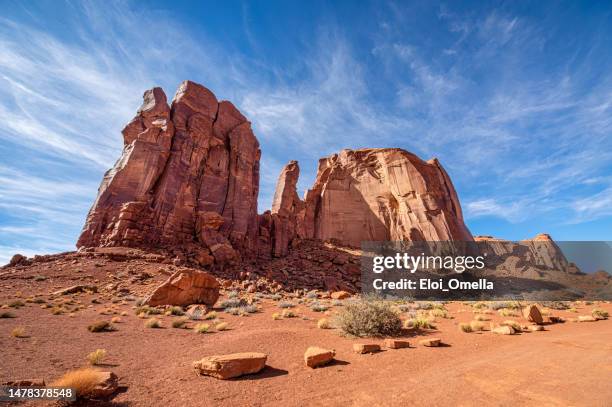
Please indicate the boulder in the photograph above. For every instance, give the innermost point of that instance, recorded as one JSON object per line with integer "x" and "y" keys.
{"x": 430, "y": 342}
{"x": 186, "y": 287}
{"x": 232, "y": 365}
{"x": 396, "y": 344}
{"x": 533, "y": 314}
{"x": 365, "y": 348}
{"x": 504, "y": 330}
{"x": 315, "y": 356}
{"x": 340, "y": 295}
{"x": 107, "y": 384}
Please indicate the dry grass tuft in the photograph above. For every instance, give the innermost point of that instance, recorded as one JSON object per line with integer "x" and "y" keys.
{"x": 476, "y": 326}
{"x": 222, "y": 326}
{"x": 465, "y": 327}
{"x": 600, "y": 314}
{"x": 201, "y": 328}
{"x": 276, "y": 316}
{"x": 83, "y": 381}
{"x": 96, "y": 357}
{"x": 100, "y": 326}
{"x": 513, "y": 324}
{"x": 369, "y": 317}
{"x": 323, "y": 323}
{"x": 18, "y": 332}
{"x": 153, "y": 323}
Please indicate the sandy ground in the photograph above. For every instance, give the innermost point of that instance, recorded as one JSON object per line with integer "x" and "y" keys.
{"x": 567, "y": 364}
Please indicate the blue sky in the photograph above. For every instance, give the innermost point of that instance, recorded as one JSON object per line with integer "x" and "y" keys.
{"x": 514, "y": 98}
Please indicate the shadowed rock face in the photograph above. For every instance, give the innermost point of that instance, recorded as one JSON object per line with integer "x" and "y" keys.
{"x": 188, "y": 176}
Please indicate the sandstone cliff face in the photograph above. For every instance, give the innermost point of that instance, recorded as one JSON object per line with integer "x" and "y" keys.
{"x": 369, "y": 195}
{"x": 188, "y": 176}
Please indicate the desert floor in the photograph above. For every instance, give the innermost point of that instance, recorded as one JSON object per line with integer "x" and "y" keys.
{"x": 566, "y": 364}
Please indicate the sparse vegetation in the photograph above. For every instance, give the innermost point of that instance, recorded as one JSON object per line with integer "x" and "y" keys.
{"x": 210, "y": 315}
{"x": 201, "y": 328}
{"x": 176, "y": 311}
{"x": 153, "y": 323}
{"x": 439, "y": 313}
{"x": 600, "y": 314}
{"x": 288, "y": 314}
{"x": 232, "y": 303}
{"x": 83, "y": 381}
{"x": 323, "y": 323}
{"x": 480, "y": 318}
{"x": 145, "y": 309}
{"x": 18, "y": 332}
{"x": 465, "y": 327}
{"x": 221, "y": 326}
{"x": 476, "y": 326}
{"x": 179, "y": 323}
{"x": 505, "y": 312}
{"x": 420, "y": 321}
{"x": 285, "y": 304}
{"x": 369, "y": 317}
{"x": 276, "y": 316}
{"x": 96, "y": 357}
{"x": 100, "y": 326}
{"x": 318, "y": 307}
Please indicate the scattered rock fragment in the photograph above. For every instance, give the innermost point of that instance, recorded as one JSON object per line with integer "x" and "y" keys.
{"x": 366, "y": 348}
{"x": 25, "y": 383}
{"x": 186, "y": 287}
{"x": 340, "y": 295}
{"x": 76, "y": 289}
{"x": 396, "y": 344}
{"x": 504, "y": 330}
{"x": 107, "y": 385}
{"x": 533, "y": 314}
{"x": 315, "y": 356}
{"x": 431, "y": 342}
{"x": 232, "y": 365}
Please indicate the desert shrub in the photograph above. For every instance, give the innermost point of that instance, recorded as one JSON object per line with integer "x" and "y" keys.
{"x": 506, "y": 312}
{"x": 176, "y": 311}
{"x": 100, "y": 326}
{"x": 18, "y": 332}
{"x": 480, "y": 318}
{"x": 513, "y": 324}
{"x": 276, "y": 316}
{"x": 232, "y": 303}
{"x": 201, "y": 328}
{"x": 479, "y": 305}
{"x": 369, "y": 317}
{"x": 232, "y": 294}
{"x": 210, "y": 315}
{"x": 422, "y": 305}
{"x": 221, "y": 326}
{"x": 476, "y": 326}
{"x": 572, "y": 309}
{"x": 557, "y": 305}
{"x": 153, "y": 323}
{"x": 16, "y": 304}
{"x": 83, "y": 381}
{"x": 323, "y": 323}
{"x": 318, "y": 307}
{"x": 276, "y": 297}
{"x": 312, "y": 295}
{"x": 96, "y": 357}
{"x": 439, "y": 313}
{"x": 179, "y": 323}
{"x": 145, "y": 309}
{"x": 242, "y": 310}
{"x": 600, "y": 314}
{"x": 419, "y": 322}
{"x": 7, "y": 314}
{"x": 288, "y": 314}
{"x": 285, "y": 304}
{"x": 465, "y": 327}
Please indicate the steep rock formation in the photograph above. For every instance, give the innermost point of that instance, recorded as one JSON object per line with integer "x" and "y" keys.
{"x": 188, "y": 177}
{"x": 369, "y": 195}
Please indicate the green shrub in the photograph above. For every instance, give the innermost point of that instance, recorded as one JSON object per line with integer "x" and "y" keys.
{"x": 369, "y": 317}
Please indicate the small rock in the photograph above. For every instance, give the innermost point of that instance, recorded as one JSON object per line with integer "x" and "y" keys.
{"x": 76, "y": 289}
{"x": 365, "y": 348}
{"x": 232, "y": 365}
{"x": 533, "y": 314}
{"x": 586, "y": 318}
{"x": 340, "y": 295}
{"x": 431, "y": 342}
{"x": 107, "y": 384}
{"x": 503, "y": 330}
{"x": 196, "y": 311}
{"x": 556, "y": 320}
{"x": 535, "y": 328}
{"x": 315, "y": 356}
{"x": 396, "y": 344}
